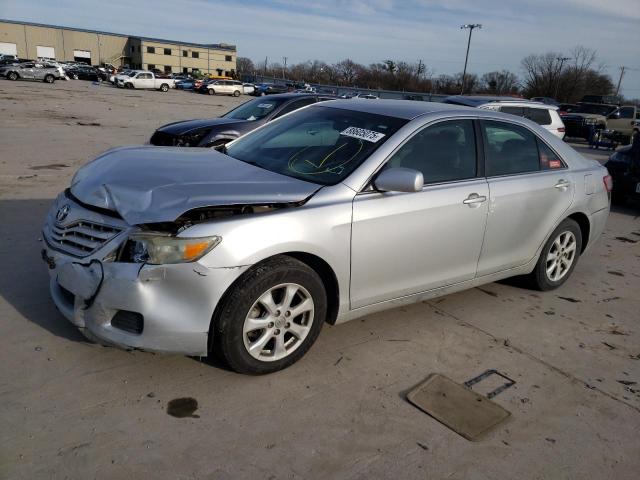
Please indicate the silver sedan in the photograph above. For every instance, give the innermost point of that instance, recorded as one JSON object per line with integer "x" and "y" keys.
{"x": 332, "y": 212}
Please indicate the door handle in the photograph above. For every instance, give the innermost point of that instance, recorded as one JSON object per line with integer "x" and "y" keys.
{"x": 562, "y": 185}
{"x": 474, "y": 200}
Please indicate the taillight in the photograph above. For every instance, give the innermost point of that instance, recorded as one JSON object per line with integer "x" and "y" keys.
{"x": 561, "y": 129}
{"x": 608, "y": 183}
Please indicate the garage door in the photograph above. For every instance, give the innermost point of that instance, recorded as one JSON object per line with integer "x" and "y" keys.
{"x": 45, "y": 52}
{"x": 8, "y": 49}
{"x": 82, "y": 56}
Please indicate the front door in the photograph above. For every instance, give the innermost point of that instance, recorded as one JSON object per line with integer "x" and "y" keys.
{"x": 529, "y": 190}
{"x": 406, "y": 243}
{"x": 622, "y": 120}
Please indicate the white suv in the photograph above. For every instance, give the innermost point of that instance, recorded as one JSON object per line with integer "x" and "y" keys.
{"x": 225, "y": 87}
{"x": 544, "y": 115}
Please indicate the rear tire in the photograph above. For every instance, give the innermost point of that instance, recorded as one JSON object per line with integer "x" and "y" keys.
{"x": 236, "y": 93}
{"x": 255, "y": 336}
{"x": 211, "y": 91}
{"x": 164, "y": 87}
{"x": 12, "y": 76}
{"x": 558, "y": 257}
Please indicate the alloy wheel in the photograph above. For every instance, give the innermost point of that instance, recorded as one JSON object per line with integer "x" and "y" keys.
{"x": 278, "y": 322}
{"x": 561, "y": 256}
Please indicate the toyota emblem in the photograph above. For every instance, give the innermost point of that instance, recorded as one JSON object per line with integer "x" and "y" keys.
{"x": 62, "y": 213}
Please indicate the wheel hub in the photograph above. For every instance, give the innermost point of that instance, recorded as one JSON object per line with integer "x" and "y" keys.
{"x": 278, "y": 322}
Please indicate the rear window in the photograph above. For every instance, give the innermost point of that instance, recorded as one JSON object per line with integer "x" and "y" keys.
{"x": 539, "y": 115}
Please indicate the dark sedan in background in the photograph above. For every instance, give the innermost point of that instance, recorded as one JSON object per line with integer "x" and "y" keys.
{"x": 624, "y": 168}
{"x": 215, "y": 132}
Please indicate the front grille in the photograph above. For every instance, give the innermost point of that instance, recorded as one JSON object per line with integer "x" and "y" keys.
{"x": 163, "y": 139}
{"x": 80, "y": 238}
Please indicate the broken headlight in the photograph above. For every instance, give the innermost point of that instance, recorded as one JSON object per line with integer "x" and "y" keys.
{"x": 158, "y": 248}
{"x": 191, "y": 139}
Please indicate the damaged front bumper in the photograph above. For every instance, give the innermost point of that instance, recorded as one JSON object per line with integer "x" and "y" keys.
{"x": 164, "y": 308}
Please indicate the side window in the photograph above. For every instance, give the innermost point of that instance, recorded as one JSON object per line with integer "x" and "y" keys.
{"x": 519, "y": 111}
{"x": 539, "y": 115}
{"x": 296, "y": 105}
{"x": 626, "y": 112}
{"x": 549, "y": 160}
{"x": 509, "y": 149}
{"x": 444, "y": 152}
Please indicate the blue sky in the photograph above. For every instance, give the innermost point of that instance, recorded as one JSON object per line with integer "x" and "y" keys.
{"x": 371, "y": 30}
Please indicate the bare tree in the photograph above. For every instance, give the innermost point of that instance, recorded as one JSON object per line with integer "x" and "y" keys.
{"x": 347, "y": 71}
{"x": 244, "y": 66}
{"x": 499, "y": 82}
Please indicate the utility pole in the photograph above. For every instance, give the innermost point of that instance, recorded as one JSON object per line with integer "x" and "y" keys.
{"x": 470, "y": 26}
{"x": 622, "y": 69}
{"x": 284, "y": 67}
{"x": 561, "y": 60}
{"x": 419, "y": 68}
{"x": 264, "y": 72}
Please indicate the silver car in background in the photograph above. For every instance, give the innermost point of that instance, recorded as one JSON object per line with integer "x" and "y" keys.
{"x": 332, "y": 212}
{"x": 31, "y": 71}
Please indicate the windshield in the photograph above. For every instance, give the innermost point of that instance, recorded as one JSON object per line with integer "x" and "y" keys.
{"x": 603, "y": 110}
{"x": 317, "y": 144}
{"x": 254, "y": 109}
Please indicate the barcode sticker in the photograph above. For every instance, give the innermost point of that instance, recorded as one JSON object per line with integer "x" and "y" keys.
{"x": 362, "y": 134}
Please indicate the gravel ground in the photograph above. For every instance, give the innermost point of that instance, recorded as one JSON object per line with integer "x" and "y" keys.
{"x": 74, "y": 409}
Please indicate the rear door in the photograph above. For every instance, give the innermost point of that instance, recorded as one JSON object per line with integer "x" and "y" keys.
{"x": 529, "y": 191}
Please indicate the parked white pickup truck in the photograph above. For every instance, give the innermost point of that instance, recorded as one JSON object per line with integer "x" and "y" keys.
{"x": 148, "y": 80}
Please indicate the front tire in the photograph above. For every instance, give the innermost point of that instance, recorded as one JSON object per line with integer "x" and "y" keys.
{"x": 12, "y": 76}
{"x": 211, "y": 91}
{"x": 558, "y": 257}
{"x": 236, "y": 93}
{"x": 49, "y": 79}
{"x": 270, "y": 317}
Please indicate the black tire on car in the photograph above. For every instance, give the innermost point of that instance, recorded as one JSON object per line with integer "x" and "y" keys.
{"x": 12, "y": 76}
{"x": 561, "y": 251}
{"x": 246, "y": 350}
{"x": 211, "y": 91}
{"x": 49, "y": 79}
{"x": 164, "y": 87}
{"x": 236, "y": 93}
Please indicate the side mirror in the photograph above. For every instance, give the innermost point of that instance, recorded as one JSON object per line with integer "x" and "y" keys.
{"x": 399, "y": 179}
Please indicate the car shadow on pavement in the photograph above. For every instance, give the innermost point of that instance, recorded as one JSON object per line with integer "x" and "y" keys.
{"x": 631, "y": 207}
{"x": 24, "y": 282}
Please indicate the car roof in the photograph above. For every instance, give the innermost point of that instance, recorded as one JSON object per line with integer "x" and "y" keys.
{"x": 475, "y": 100}
{"x": 407, "y": 109}
{"x": 292, "y": 95}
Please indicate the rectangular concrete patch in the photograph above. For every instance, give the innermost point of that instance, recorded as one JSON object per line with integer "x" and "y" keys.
{"x": 462, "y": 410}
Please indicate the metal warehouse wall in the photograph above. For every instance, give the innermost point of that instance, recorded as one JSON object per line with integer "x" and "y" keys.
{"x": 103, "y": 47}
{"x": 114, "y": 49}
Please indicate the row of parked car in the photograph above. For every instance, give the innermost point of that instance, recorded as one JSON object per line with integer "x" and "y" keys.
{"x": 48, "y": 71}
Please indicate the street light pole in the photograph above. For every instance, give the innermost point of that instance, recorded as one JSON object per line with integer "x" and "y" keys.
{"x": 561, "y": 60}
{"x": 470, "y": 26}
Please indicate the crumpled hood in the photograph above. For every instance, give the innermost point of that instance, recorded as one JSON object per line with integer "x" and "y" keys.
{"x": 180, "y": 128}
{"x": 159, "y": 184}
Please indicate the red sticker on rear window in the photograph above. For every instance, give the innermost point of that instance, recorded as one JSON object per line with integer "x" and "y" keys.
{"x": 555, "y": 164}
